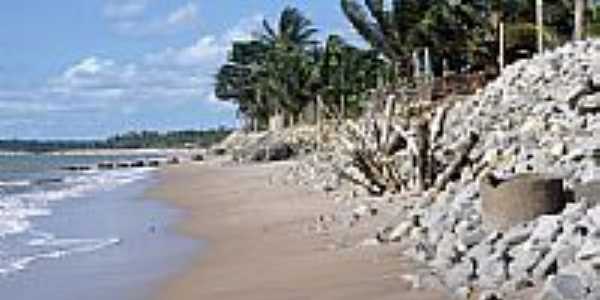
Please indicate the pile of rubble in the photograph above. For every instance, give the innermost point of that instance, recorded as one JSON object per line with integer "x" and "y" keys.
{"x": 540, "y": 116}
{"x": 267, "y": 145}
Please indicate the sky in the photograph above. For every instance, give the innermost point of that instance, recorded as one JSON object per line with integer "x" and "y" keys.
{"x": 84, "y": 69}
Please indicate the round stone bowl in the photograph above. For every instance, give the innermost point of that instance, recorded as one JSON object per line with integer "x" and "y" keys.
{"x": 520, "y": 199}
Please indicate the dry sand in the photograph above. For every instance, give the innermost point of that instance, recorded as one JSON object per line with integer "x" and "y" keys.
{"x": 259, "y": 246}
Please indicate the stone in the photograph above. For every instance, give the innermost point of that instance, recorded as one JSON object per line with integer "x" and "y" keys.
{"x": 472, "y": 238}
{"x": 563, "y": 287}
{"x": 559, "y": 149}
{"x": 460, "y": 275}
{"x": 517, "y": 235}
{"x": 369, "y": 242}
{"x": 589, "y": 250}
{"x": 490, "y": 295}
{"x": 421, "y": 252}
{"x": 546, "y": 230}
{"x": 516, "y": 285}
{"x": 480, "y": 252}
{"x": 524, "y": 261}
{"x": 197, "y": 157}
{"x": 574, "y": 211}
{"x": 589, "y": 104}
{"x": 566, "y": 256}
{"x": 462, "y": 293}
{"x": 491, "y": 272}
{"x": 398, "y": 232}
{"x": 594, "y": 216}
{"x": 548, "y": 265}
{"x": 414, "y": 280}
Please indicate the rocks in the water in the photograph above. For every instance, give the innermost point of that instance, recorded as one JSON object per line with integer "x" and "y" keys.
{"x": 138, "y": 164}
{"x": 77, "y": 168}
{"x": 173, "y": 160}
{"x": 154, "y": 163}
{"x": 106, "y": 165}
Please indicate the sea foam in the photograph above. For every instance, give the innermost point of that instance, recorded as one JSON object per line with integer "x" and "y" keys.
{"x": 19, "y": 212}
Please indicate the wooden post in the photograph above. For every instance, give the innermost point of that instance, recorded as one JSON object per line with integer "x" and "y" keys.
{"x": 428, "y": 76}
{"x": 539, "y": 16}
{"x": 428, "y": 71}
{"x": 319, "y": 122}
{"x": 343, "y": 106}
{"x": 416, "y": 64}
{"x": 389, "y": 114}
{"x": 258, "y": 99}
{"x": 579, "y": 19}
{"x": 501, "y": 47}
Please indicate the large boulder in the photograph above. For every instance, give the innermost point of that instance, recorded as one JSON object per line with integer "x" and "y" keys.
{"x": 272, "y": 152}
{"x": 520, "y": 199}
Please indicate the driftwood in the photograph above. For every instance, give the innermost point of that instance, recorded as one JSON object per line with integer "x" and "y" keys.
{"x": 402, "y": 150}
{"x": 462, "y": 154}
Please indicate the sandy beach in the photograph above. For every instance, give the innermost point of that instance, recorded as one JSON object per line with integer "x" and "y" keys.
{"x": 259, "y": 246}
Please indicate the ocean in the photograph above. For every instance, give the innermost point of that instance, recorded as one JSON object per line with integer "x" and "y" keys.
{"x": 92, "y": 234}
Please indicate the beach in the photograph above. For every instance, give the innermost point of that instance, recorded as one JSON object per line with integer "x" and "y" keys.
{"x": 260, "y": 246}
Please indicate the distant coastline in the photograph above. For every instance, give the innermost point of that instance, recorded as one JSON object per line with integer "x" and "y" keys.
{"x": 127, "y": 152}
{"x": 143, "y": 142}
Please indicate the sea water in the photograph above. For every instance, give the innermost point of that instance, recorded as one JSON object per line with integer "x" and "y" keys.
{"x": 82, "y": 235}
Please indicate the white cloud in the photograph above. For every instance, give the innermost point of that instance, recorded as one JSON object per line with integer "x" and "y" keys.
{"x": 121, "y": 9}
{"x": 130, "y": 19}
{"x": 207, "y": 51}
{"x": 183, "y": 15}
{"x": 98, "y": 86}
{"x": 204, "y": 50}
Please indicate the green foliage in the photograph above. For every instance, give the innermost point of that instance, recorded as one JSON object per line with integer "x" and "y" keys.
{"x": 172, "y": 139}
{"x": 130, "y": 140}
{"x": 284, "y": 67}
{"x": 594, "y": 22}
{"x": 452, "y": 31}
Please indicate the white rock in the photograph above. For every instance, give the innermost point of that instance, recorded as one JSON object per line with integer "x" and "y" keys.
{"x": 563, "y": 287}
{"x": 589, "y": 250}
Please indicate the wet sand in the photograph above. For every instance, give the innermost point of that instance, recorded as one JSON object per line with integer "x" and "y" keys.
{"x": 259, "y": 245}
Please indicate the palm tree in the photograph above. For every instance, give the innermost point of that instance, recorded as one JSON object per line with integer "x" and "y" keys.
{"x": 451, "y": 30}
{"x": 240, "y": 80}
{"x": 289, "y": 66}
{"x": 295, "y": 31}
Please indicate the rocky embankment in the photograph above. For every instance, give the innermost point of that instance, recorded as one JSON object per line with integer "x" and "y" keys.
{"x": 539, "y": 117}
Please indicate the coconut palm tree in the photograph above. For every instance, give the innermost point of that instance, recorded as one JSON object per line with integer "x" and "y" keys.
{"x": 294, "y": 31}
{"x": 451, "y": 29}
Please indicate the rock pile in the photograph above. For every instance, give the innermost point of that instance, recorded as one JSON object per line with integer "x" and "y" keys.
{"x": 266, "y": 145}
{"x": 540, "y": 116}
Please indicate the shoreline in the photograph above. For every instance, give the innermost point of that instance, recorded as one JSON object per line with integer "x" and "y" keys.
{"x": 259, "y": 245}
{"x": 122, "y": 233}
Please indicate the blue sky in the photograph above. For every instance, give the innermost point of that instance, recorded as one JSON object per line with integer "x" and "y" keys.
{"x": 92, "y": 68}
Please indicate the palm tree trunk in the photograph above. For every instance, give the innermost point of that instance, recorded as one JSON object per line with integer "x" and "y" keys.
{"x": 579, "y": 19}
{"x": 539, "y": 15}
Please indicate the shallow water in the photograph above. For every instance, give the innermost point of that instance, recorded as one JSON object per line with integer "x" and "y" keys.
{"x": 90, "y": 236}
